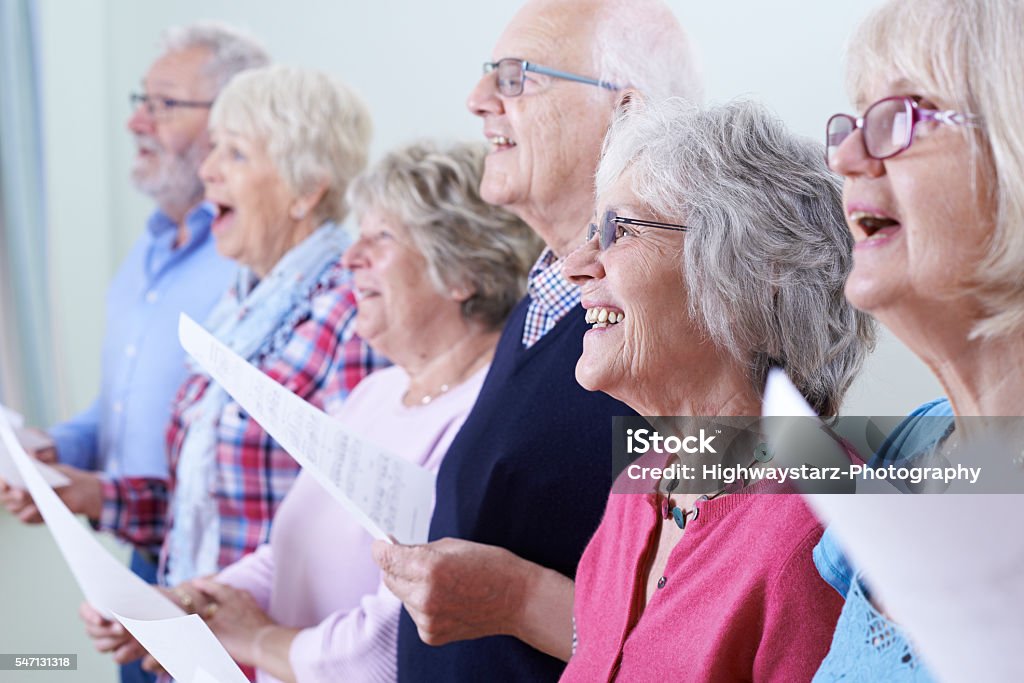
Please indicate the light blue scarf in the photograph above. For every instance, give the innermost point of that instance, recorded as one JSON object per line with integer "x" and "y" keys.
{"x": 256, "y": 320}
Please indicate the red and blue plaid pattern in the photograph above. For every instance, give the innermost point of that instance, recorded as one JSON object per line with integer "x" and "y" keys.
{"x": 551, "y": 297}
{"x": 321, "y": 362}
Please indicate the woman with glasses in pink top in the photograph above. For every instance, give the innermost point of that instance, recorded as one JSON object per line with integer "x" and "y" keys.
{"x": 934, "y": 199}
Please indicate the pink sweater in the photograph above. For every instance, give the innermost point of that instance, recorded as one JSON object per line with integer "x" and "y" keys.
{"x": 741, "y": 601}
{"x": 317, "y": 573}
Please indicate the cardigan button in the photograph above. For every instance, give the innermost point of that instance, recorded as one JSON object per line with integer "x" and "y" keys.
{"x": 661, "y": 582}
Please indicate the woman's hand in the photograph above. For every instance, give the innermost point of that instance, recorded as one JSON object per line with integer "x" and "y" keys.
{"x": 110, "y": 636}
{"x": 234, "y": 617}
{"x": 245, "y": 630}
{"x": 456, "y": 590}
{"x": 188, "y": 597}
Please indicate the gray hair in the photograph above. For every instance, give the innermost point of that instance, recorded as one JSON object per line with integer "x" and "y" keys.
{"x": 317, "y": 130}
{"x": 231, "y": 50}
{"x": 968, "y": 52}
{"x": 768, "y": 250}
{"x": 433, "y": 192}
{"x": 639, "y": 44}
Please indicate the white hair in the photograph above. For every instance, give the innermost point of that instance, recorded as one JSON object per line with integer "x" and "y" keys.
{"x": 969, "y": 52}
{"x": 434, "y": 193}
{"x": 640, "y": 44}
{"x": 768, "y": 250}
{"x": 231, "y": 51}
{"x": 316, "y": 129}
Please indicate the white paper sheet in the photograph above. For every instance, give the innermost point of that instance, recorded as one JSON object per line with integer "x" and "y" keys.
{"x": 164, "y": 639}
{"x": 115, "y": 591}
{"x": 204, "y": 676}
{"x": 29, "y": 441}
{"x": 948, "y": 568}
{"x": 388, "y": 495}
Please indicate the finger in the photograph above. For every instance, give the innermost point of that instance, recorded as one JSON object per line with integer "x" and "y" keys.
{"x": 151, "y": 665}
{"x": 13, "y": 495}
{"x": 217, "y": 591}
{"x": 47, "y": 455}
{"x": 128, "y": 652}
{"x": 90, "y": 615}
{"x": 104, "y": 630}
{"x": 190, "y": 597}
{"x": 108, "y": 644}
{"x": 210, "y": 611}
{"x": 30, "y": 514}
{"x": 390, "y": 557}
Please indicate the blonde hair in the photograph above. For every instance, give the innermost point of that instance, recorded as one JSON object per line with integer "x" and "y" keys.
{"x": 969, "y": 53}
{"x": 433, "y": 192}
{"x": 316, "y": 129}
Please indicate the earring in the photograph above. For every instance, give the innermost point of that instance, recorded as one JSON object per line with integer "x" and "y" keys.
{"x": 298, "y": 213}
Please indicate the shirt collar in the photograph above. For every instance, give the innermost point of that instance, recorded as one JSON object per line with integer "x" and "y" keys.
{"x": 548, "y": 287}
{"x": 198, "y": 220}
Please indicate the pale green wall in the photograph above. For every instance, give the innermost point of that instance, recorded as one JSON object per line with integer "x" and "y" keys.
{"x": 39, "y": 602}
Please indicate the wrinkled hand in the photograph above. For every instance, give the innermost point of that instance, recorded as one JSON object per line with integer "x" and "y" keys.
{"x": 83, "y": 496}
{"x": 188, "y": 597}
{"x": 455, "y": 589}
{"x": 110, "y": 636}
{"x": 234, "y": 617}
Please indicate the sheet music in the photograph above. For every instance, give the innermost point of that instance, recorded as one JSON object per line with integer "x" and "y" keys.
{"x": 946, "y": 568}
{"x": 10, "y": 473}
{"x": 109, "y": 586}
{"x": 388, "y": 495}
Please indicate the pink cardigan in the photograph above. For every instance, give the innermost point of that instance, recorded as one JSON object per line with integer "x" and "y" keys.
{"x": 741, "y": 600}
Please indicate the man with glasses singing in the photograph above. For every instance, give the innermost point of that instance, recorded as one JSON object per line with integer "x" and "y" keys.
{"x": 173, "y": 267}
{"x": 523, "y": 485}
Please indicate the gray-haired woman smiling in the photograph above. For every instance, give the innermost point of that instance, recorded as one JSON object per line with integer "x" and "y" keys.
{"x": 718, "y": 250}
{"x": 754, "y": 281}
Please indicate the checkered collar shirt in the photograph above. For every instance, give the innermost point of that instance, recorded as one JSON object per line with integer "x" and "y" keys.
{"x": 551, "y": 297}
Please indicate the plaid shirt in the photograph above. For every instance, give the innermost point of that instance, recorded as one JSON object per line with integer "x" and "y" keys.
{"x": 551, "y": 297}
{"x": 321, "y": 362}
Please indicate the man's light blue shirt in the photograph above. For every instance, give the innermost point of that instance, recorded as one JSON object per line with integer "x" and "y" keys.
{"x": 122, "y": 432}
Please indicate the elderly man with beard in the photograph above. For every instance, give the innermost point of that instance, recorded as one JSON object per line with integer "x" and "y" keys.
{"x": 529, "y": 472}
{"x": 172, "y": 267}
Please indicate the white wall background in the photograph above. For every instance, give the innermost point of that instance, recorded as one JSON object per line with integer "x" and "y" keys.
{"x": 414, "y": 62}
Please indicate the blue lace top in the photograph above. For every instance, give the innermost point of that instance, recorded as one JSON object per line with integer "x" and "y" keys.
{"x": 867, "y": 646}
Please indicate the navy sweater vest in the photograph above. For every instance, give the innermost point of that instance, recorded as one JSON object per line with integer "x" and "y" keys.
{"x": 530, "y": 471}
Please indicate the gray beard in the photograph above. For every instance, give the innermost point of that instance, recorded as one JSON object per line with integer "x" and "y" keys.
{"x": 175, "y": 181}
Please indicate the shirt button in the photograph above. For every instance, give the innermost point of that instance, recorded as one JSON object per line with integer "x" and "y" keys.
{"x": 130, "y": 351}
{"x": 662, "y": 581}
{"x": 117, "y": 407}
{"x": 151, "y": 296}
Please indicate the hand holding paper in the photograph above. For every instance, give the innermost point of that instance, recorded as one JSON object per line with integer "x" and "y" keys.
{"x": 181, "y": 644}
{"x": 29, "y": 441}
